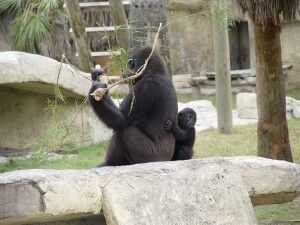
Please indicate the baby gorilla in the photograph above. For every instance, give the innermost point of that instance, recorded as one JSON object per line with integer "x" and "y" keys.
{"x": 184, "y": 134}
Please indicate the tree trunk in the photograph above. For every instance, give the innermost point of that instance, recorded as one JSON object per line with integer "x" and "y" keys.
{"x": 118, "y": 13}
{"x": 272, "y": 128}
{"x": 80, "y": 36}
{"x": 223, "y": 77}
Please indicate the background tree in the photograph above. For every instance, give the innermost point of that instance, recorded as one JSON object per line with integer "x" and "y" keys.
{"x": 80, "y": 36}
{"x": 272, "y": 129}
{"x": 119, "y": 15}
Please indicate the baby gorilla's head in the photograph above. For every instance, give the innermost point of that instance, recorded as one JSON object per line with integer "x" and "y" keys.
{"x": 187, "y": 118}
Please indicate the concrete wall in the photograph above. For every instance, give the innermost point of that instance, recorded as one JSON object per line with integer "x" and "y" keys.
{"x": 191, "y": 40}
{"x": 290, "y": 37}
{"x": 191, "y": 46}
{"x": 25, "y": 115}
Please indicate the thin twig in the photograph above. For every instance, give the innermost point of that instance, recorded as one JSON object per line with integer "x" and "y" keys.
{"x": 97, "y": 94}
{"x": 77, "y": 70}
{"x": 185, "y": 17}
{"x": 70, "y": 125}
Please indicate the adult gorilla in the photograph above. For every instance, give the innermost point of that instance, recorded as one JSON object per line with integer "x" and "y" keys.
{"x": 138, "y": 125}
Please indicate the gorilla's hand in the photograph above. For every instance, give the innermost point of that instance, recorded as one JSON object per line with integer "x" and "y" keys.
{"x": 97, "y": 85}
{"x": 168, "y": 125}
{"x": 96, "y": 73}
{"x": 98, "y": 94}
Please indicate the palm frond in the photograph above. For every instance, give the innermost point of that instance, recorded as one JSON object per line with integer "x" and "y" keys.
{"x": 48, "y": 5}
{"x": 37, "y": 30}
{"x": 30, "y": 32}
{"x": 13, "y": 5}
{"x": 16, "y": 33}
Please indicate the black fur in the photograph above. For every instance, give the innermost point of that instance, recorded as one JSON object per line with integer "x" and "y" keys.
{"x": 138, "y": 131}
{"x": 184, "y": 134}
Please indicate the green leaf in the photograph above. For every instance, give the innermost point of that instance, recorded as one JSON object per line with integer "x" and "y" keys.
{"x": 28, "y": 34}
{"x": 16, "y": 33}
{"x": 13, "y": 5}
{"x": 48, "y": 5}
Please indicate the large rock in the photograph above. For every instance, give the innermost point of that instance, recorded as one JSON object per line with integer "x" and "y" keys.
{"x": 38, "y": 74}
{"x": 202, "y": 191}
{"x": 269, "y": 181}
{"x": 26, "y": 86}
{"x": 247, "y": 107}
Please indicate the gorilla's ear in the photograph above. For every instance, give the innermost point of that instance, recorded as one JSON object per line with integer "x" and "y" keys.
{"x": 131, "y": 63}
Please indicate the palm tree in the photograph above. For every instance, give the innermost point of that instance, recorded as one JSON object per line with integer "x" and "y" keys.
{"x": 32, "y": 23}
{"x": 272, "y": 128}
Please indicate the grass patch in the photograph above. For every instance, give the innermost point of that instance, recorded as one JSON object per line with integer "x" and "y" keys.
{"x": 87, "y": 157}
{"x": 243, "y": 141}
{"x": 294, "y": 93}
{"x": 278, "y": 214}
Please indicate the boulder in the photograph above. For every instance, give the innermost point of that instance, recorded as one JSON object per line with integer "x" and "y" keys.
{"x": 247, "y": 107}
{"x": 26, "y": 86}
{"x": 296, "y": 108}
{"x": 268, "y": 181}
{"x": 199, "y": 191}
{"x": 38, "y": 74}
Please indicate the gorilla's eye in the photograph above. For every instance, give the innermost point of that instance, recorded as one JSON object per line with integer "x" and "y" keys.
{"x": 131, "y": 63}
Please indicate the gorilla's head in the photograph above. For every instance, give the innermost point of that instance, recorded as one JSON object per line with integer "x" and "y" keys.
{"x": 155, "y": 65}
{"x": 187, "y": 118}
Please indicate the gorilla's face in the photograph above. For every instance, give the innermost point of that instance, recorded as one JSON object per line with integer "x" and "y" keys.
{"x": 132, "y": 65}
{"x": 137, "y": 60}
{"x": 187, "y": 118}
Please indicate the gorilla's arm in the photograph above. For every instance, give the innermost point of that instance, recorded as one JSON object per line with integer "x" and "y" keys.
{"x": 106, "y": 109}
{"x": 178, "y": 133}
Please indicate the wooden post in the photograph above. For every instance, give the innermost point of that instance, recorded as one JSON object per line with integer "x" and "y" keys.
{"x": 223, "y": 78}
{"x": 80, "y": 36}
{"x": 252, "y": 47}
{"x": 119, "y": 16}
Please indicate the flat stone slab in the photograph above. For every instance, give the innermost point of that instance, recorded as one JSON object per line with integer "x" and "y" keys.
{"x": 199, "y": 191}
{"x": 37, "y": 74}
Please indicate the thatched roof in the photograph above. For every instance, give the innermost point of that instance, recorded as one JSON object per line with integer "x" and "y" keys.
{"x": 270, "y": 11}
